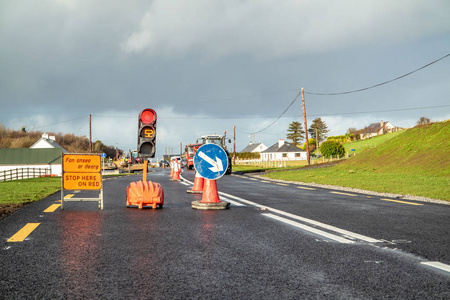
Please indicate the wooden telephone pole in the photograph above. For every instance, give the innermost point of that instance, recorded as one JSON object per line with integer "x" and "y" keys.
{"x": 306, "y": 129}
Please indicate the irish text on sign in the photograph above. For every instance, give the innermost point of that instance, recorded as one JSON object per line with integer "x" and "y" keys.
{"x": 81, "y": 163}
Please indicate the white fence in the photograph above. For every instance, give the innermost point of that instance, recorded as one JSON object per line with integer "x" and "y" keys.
{"x": 22, "y": 173}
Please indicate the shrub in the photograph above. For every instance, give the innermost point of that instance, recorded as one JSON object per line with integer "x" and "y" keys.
{"x": 332, "y": 148}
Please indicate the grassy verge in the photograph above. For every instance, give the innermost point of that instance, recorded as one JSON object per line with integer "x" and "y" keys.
{"x": 436, "y": 187}
{"x": 414, "y": 162}
{"x": 28, "y": 190}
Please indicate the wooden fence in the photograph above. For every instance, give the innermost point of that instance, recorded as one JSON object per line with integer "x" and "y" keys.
{"x": 22, "y": 173}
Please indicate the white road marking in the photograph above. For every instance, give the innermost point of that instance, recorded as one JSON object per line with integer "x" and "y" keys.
{"x": 309, "y": 221}
{"x": 344, "y": 232}
{"x": 437, "y": 265}
{"x": 311, "y": 229}
{"x": 235, "y": 203}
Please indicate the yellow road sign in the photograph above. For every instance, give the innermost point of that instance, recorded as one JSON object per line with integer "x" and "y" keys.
{"x": 82, "y": 181}
{"x": 80, "y": 163}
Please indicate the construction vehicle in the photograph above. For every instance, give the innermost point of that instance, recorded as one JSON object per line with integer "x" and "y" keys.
{"x": 130, "y": 163}
{"x": 218, "y": 140}
{"x": 190, "y": 151}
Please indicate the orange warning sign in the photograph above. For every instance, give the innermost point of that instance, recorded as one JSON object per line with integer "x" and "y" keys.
{"x": 81, "y": 163}
{"x": 82, "y": 181}
{"x": 82, "y": 172}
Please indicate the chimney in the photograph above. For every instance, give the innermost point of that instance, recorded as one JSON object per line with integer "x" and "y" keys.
{"x": 45, "y": 135}
{"x": 52, "y": 137}
{"x": 381, "y": 123}
{"x": 280, "y": 143}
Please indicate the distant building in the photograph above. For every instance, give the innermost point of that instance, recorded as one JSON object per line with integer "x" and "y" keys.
{"x": 46, "y": 153}
{"x": 258, "y": 147}
{"x": 376, "y": 129}
{"x": 283, "y": 151}
{"x": 47, "y": 141}
{"x": 22, "y": 158}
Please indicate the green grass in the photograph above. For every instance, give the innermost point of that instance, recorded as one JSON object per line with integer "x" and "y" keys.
{"x": 361, "y": 146}
{"x": 415, "y": 162}
{"x": 28, "y": 190}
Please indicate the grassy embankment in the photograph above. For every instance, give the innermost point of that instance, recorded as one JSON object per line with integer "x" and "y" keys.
{"x": 415, "y": 162}
{"x": 28, "y": 190}
{"x": 357, "y": 146}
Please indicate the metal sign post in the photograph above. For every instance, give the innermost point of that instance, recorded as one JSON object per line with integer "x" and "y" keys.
{"x": 82, "y": 172}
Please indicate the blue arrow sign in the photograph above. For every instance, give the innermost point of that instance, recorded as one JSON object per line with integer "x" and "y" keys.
{"x": 103, "y": 155}
{"x": 211, "y": 161}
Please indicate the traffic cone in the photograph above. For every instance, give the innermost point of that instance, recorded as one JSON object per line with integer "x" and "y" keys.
{"x": 176, "y": 171}
{"x": 171, "y": 169}
{"x": 198, "y": 184}
{"x": 210, "y": 197}
{"x": 210, "y": 194}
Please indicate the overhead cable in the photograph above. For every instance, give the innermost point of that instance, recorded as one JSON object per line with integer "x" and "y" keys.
{"x": 379, "y": 84}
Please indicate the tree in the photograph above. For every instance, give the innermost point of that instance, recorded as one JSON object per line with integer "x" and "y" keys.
{"x": 332, "y": 148}
{"x": 295, "y": 133}
{"x": 423, "y": 121}
{"x": 318, "y": 130}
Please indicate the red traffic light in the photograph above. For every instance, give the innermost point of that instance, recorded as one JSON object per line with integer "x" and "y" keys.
{"x": 148, "y": 116}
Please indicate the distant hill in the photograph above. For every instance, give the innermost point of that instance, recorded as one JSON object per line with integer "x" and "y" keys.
{"x": 74, "y": 144}
{"x": 424, "y": 148}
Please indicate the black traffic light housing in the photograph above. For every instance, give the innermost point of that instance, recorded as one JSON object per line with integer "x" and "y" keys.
{"x": 146, "y": 146}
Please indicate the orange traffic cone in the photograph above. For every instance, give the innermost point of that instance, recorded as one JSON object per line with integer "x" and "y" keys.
{"x": 210, "y": 194}
{"x": 210, "y": 197}
{"x": 176, "y": 171}
{"x": 198, "y": 184}
{"x": 171, "y": 169}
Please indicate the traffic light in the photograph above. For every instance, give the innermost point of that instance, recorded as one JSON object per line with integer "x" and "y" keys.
{"x": 147, "y": 133}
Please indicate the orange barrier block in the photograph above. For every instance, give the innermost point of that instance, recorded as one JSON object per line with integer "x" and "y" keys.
{"x": 145, "y": 193}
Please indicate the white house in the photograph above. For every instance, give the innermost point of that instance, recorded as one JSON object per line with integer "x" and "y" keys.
{"x": 47, "y": 141}
{"x": 380, "y": 128}
{"x": 281, "y": 151}
{"x": 44, "y": 154}
{"x": 258, "y": 147}
{"x": 29, "y": 161}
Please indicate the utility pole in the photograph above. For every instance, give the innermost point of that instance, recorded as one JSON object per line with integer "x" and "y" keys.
{"x": 90, "y": 135}
{"x": 234, "y": 144}
{"x": 306, "y": 129}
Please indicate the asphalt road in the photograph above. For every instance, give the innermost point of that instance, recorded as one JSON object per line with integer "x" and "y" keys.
{"x": 275, "y": 242}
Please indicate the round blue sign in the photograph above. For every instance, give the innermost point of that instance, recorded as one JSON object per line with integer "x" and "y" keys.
{"x": 103, "y": 155}
{"x": 211, "y": 161}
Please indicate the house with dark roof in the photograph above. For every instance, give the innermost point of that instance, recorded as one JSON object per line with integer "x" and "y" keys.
{"x": 380, "y": 128}
{"x": 258, "y": 147}
{"x": 282, "y": 151}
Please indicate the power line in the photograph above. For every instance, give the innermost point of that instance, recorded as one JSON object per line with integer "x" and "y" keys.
{"x": 61, "y": 122}
{"x": 379, "y": 84}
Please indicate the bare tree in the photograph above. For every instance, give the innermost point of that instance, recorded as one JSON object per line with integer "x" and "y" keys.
{"x": 423, "y": 121}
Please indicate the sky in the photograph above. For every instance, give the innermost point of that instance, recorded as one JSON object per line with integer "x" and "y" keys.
{"x": 205, "y": 66}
